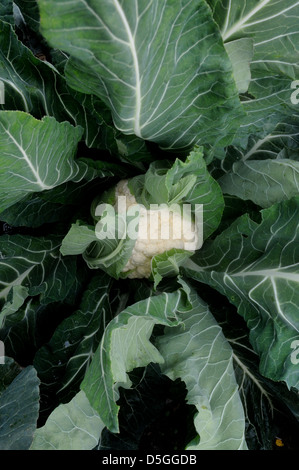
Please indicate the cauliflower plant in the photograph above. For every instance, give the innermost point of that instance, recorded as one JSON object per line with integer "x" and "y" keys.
{"x": 159, "y": 230}
{"x": 166, "y": 227}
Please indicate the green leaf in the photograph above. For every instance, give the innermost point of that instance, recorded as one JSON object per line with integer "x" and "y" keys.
{"x": 30, "y": 155}
{"x": 31, "y": 85}
{"x": 272, "y": 26}
{"x": 197, "y": 352}
{"x": 240, "y": 53}
{"x": 37, "y": 87}
{"x": 34, "y": 211}
{"x": 6, "y": 11}
{"x": 18, "y": 296}
{"x": 160, "y": 67}
{"x": 109, "y": 253}
{"x": 62, "y": 362}
{"x": 125, "y": 345}
{"x": 256, "y": 266}
{"x": 168, "y": 264}
{"x": 169, "y": 182}
{"x": 9, "y": 370}
{"x": 78, "y": 238}
{"x": 59, "y": 203}
{"x": 183, "y": 182}
{"x": 280, "y": 143}
{"x": 260, "y": 396}
{"x": 211, "y": 386}
{"x": 277, "y": 141}
{"x": 35, "y": 264}
{"x": 278, "y": 178}
{"x": 19, "y": 404}
{"x": 71, "y": 426}
{"x": 30, "y": 13}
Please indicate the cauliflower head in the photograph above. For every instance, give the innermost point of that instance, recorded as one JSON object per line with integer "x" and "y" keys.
{"x": 159, "y": 230}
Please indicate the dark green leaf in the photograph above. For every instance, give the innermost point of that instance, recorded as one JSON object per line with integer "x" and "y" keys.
{"x": 19, "y": 405}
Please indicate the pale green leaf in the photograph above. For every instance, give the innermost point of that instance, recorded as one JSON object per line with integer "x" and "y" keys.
{"x": 31, "y": 158}
{"x": 124, "y": 346}
{"x": 240, "y": 53}
{"x": 197, "y": 352}
{"x": 78, "y": 238}
{"x": 265, "y": 182}
{"x": 18, "y": 295}
{"x": 183, "y": 182}
{"x": 71, "y": 426}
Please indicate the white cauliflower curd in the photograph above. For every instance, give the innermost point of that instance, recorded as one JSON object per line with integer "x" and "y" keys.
{"x": 159, "y": 230}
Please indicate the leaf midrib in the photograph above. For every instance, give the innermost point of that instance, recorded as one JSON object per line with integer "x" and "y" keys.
{"x": 33, "y": 170}
{"x": 16, "y": 282}
{"x": 242, "y": 22}
{"x": 270, "y": 273}
{"x": 131, "y": 44}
